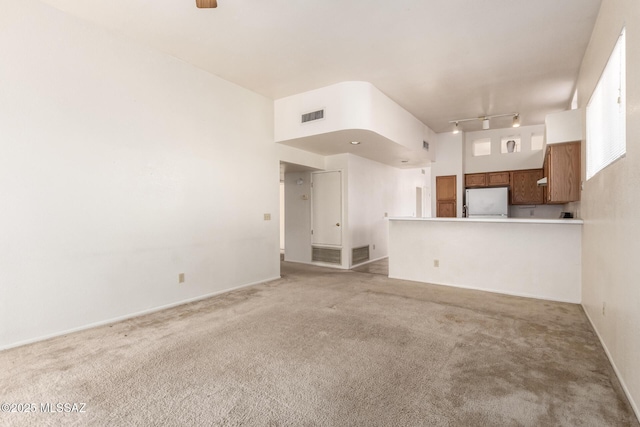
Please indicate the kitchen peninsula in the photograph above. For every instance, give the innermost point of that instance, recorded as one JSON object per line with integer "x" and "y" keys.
{"x": 539, "y": 258}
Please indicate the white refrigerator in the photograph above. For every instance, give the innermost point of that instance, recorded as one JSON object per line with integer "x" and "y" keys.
{"x": 487, "y": 202}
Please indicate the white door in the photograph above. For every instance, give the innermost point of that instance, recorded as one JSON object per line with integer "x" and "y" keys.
{"x": 326, "y": 208}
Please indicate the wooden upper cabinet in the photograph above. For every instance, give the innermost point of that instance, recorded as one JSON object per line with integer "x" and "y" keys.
{"x": 498, "y": 179}
{"x": 446, "y": 196}
{"x": 472, "y": 180}
{"x": 489, "y": 179}
{"x": 562, "y": 169}
{"x": 524, "y": 187}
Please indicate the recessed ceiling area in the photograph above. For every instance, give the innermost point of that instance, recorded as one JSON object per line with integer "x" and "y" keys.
{"x": 372, "y": 146}
{"x": 438, "y": 59}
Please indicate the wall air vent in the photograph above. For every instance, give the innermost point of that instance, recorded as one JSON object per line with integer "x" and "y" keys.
{"x": 360, "y": 254}
{"x": 425, "y": 145}
{"x": 314, "y": 115}
{"x": 328, "y": 255}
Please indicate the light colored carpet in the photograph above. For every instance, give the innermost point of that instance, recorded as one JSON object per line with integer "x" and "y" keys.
{"x": 331, "y": 348}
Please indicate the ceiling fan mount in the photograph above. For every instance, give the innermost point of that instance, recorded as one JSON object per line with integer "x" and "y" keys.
{"x": 207, "y": 4}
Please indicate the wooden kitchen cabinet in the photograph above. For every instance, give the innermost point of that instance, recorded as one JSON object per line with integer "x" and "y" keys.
{"x": 446, "y": 209}
{"x": 446, "y": 196}
{"x": 489, "y": 179}
{"x": 498, "y": 179}
{"x": 474, "y": 180}
{"x": 525, "y": 189}
{"x": 562, "y": 169}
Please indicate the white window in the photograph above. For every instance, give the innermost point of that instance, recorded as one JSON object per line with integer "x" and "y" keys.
{"x": 606, "y": 113}
{"x": 482, "y": 147}
{"x": 510, "y": 144}
{"x": 537, "y": 141}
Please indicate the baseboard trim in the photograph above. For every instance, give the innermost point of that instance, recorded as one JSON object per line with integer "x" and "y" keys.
{"x": 493, "y": 291}
{"x": 633, "y": 404}
{"x": 369, "y": 261}
{"x": 131, "y": 315}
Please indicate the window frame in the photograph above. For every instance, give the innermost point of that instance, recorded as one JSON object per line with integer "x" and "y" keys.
{"x": 608, "y": 143}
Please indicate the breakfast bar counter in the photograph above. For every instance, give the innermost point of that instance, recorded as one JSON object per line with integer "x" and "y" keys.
{"x": 539, "y": 258}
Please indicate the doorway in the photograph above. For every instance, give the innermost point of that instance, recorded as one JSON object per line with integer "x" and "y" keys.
{"x": 419, "y": 202}
{"x": 282, "y": 220}
{"x": 295, "y": 212}
{"x": 326, "y": 208}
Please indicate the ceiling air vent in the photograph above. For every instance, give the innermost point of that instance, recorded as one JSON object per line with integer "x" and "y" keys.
{"x": 314, "y": 115}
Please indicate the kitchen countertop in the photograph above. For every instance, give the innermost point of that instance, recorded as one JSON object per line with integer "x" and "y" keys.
{"x": 504, "y": 220}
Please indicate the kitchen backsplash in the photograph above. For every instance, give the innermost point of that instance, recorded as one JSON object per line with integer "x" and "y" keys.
{"x": 535, "y": 211}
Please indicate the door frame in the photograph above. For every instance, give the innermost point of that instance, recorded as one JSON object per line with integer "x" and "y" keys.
{"x": 341, "y": 209}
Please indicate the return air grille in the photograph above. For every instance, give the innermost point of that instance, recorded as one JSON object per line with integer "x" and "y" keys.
{"x": 314, "y": 115}
{"x": 360, "y": 254}
{"x": 328, "y": 255}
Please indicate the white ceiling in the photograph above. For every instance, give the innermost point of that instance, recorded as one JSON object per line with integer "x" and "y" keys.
{"x": 439, "y": 59}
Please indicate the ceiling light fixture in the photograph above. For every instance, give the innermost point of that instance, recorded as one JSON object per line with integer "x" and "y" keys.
{"x": 355, "y": 142}
{"x": 485, "y": 121}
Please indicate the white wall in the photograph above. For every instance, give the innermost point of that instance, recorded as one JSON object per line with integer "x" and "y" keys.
{"x": 122, "y": 167}
{"x": 448, "y": 161}
{"x": 497, "y": 161}
{"x": 610, "y": 206}
{"x": 300, "y": 157}
{"x": 348, "y": 105}
{"x": 374, "y": 190}
{"x": 565, "y": 126}
{"x": 518, "y": 258}
{"x": 409, "y": 180}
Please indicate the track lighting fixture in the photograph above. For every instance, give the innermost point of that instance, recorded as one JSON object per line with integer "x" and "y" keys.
{"x": 485, "y": 121}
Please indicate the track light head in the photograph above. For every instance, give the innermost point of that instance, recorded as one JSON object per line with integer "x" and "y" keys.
{"x": 485, "y": 120}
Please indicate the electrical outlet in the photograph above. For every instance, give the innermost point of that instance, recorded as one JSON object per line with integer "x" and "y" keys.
{"x": 267, "y": 217}
{"x": 604, "y": 305}
{"x": 374, "y": 246}
{"x": 436, "y": 263}
{"x": 181, "y": 278}
{"x": 386, "y": 214}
